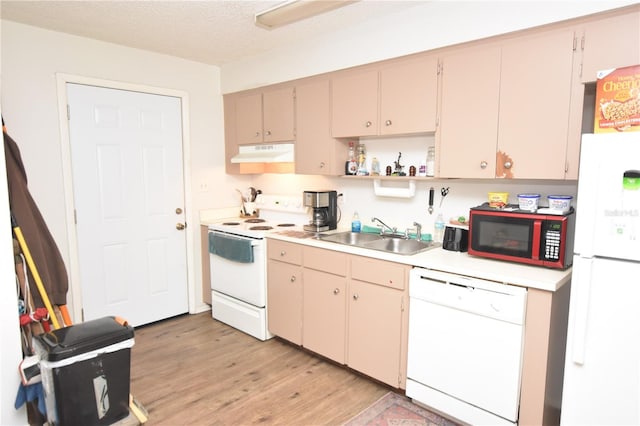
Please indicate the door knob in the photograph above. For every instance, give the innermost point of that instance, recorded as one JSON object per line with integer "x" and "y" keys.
{"x": 180, "y": 226}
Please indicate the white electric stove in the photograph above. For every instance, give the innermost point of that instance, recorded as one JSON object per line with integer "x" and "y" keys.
{"x": 238, "y": 259}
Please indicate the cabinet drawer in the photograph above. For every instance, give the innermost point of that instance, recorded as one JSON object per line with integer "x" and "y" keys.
{"x": 379, "y": 272}
{"x": 333, "y": 262}
{"x": 284, "y": 251}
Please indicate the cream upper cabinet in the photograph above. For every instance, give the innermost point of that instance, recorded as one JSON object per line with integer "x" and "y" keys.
{"x": 468, "y": 130}
{"x": 392, "y": 99}
{"x": 265, "y": 116}
{"x": 535, "y": 95}
{"x": 509, "y": 117}
{"x": 316, "y": 151}
{"x": 610, "y": 43}
{"x": 408, "y": 96}
{"x": 354, "y": 101}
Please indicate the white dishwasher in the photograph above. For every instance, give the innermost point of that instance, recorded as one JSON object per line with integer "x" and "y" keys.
{"x": 465, "y": 346}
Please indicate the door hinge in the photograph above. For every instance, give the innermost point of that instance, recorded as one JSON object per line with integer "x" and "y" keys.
{"x": 75, "y": 216}
{"x": 402, "y": 304}
{"x": 439, "y": 67}
{"x": 82, "y": 314}
{"x": 582, "y": 43}
{"x": 575, "y": 43}
{"x": 68, "y": 112}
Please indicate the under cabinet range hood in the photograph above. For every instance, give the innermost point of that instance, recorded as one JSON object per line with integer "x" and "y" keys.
{"x": 257, "y": 159}
{"x": 276, "y": 153}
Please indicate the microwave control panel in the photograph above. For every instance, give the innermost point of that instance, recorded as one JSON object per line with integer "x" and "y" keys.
{"x": 551, "y": 241}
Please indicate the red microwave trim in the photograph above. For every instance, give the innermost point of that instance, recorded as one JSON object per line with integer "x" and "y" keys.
{"x": 535, "y": 250}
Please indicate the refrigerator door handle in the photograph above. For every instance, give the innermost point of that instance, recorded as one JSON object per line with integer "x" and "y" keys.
{"x": 581, "y": 293}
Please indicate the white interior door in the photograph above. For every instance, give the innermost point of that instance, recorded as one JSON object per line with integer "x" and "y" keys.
{"x": 126, "y": 155}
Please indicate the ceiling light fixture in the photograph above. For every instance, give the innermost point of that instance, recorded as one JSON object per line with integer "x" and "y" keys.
{"x": 296, "y": 10}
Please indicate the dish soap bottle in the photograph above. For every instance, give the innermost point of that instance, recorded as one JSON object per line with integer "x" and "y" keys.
{"x": 438, "y": 231}
{"x": 355, "y": 223}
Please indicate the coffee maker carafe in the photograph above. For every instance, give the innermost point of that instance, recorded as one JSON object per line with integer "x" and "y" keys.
{"x": 324, "y": 210}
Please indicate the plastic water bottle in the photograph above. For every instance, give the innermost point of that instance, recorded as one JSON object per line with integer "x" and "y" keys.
{"x": 438, "y": 231}
{"x": 355, "y": 223}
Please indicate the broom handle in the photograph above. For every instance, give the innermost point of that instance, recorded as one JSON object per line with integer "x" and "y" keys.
{"x": 34, "y": 271}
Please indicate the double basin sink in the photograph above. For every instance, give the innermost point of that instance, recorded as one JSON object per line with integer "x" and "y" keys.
{"x": 387, "y": 243}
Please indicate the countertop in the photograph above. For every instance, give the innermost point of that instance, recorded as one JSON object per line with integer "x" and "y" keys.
{"x": 447, "y": 261}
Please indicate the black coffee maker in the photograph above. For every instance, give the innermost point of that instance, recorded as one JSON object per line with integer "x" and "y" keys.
{"x": 324, "y": 210}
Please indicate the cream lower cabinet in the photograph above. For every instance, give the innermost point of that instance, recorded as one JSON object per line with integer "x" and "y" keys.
{"x": 377, "y": 319}
{"x": 353, "y": 308}
{"x": 284, "y": 290}
{"x": 324, "y": 314}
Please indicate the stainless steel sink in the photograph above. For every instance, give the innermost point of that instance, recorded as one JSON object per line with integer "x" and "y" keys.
{"x": 351, "y": 238}
{"x": 400, "y": 246}
{"x": 380, "y": 242}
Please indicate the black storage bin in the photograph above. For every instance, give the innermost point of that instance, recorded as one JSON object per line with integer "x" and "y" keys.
{"x": 85, "y": 372}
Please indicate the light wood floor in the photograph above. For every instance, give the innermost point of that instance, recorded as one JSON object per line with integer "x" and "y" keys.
{"x": 194, "y": 370}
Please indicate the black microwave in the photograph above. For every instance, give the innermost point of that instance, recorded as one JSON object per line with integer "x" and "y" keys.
{"x": 522, "y": 236}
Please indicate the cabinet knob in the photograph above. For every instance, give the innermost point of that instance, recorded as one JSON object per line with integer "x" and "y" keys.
{"x": 293, "y": 278}
{"x": 257, "y": 134}
{"x": 322, "y": 164}
{"x": 178, "y": 210}
{"x": 507, "y": 164}
{"x": 336, "y": 291}
{"x": 268, "y": 132}
{"x": 483, "y": 165}
{"x": 282, "y": 253}
{"x": 388, "y": 123}
{"x": 368, "y": 124}
{"x": 355, "y": 296}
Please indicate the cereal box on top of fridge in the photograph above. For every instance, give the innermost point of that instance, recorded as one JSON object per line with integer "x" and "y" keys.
{"x": 618, "y": 100}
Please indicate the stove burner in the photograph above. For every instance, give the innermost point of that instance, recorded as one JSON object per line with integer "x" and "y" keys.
{"x": 255, "y": 220}
{"x": 261, "y": 228}
{"x": 286, "y": 224}
{"x": 231, "y": 223}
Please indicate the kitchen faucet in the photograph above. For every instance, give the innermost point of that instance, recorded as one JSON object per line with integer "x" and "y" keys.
{"x": 392, "y": 230}
{"x": 418, "y": 230}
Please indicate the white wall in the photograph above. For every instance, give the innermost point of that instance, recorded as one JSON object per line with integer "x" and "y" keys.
{"x": 31, "y": 57}
{"x": 426, "y": 26}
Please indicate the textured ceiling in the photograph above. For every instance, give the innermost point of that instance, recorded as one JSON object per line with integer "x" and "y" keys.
{"x": 213, "y": 32}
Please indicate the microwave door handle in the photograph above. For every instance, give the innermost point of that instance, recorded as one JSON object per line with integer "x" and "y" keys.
{"x": 535, "y": 244}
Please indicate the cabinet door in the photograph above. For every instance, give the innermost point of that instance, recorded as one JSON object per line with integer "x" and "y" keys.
{"x": 468, "y": 130}
{"x": 354, "y": 102}
{"x": 249, "y": 118}
{"x": 610, "y": 43}
{"x": 324, "y": 314}
{"x": 284, "y": 293}
{"x": 535, "y": 91}
{"x": 408, "y": 96}
{"x": 375, "y": 331}
{"x": 278, "y": 113}
{"x": 317, "y": 153}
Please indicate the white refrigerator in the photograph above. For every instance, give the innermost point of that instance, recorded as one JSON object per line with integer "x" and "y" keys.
{"x": 602, "y": 365}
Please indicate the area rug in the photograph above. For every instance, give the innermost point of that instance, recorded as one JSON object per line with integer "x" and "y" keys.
{"x": 397, "y": 410}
